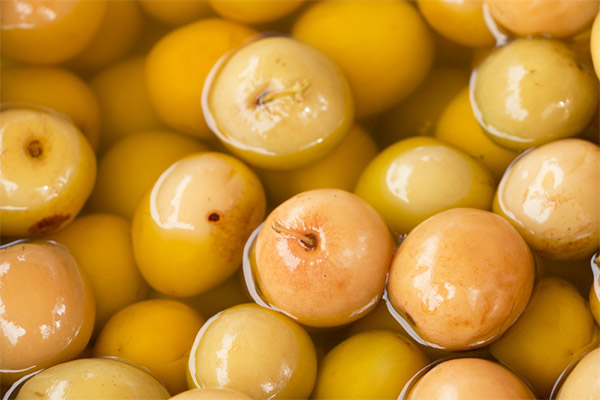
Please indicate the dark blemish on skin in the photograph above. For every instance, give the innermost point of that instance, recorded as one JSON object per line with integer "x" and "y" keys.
{"x": 214, "y": 217}
{"x": 48, "y": 224}
{"x": 35, "y": 149}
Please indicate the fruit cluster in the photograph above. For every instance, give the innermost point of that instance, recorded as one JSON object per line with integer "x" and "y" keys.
{"x": 259, "y": 199}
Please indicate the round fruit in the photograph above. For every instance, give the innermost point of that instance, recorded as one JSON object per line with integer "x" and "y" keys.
{"x": 322, "y": 257}
{"x": 190, "y": 228}
{"x": 278, "y": 103}
{"x": 48, "y": 32}
{"x": 179, "y": 63}
{"x": 550, "y": 195}
{"x": 398, "y": 182}
{"x": 210, "y": 394}
{"x": 559, "y": 18}
{"x": 47, "y": 308}
{"x": 256, "y": 351}
{"x": 254, "y": 11}
{"x": 584, "y": 380}
{"x": 93, "y": 378}
{"x": 369, "y": 365}
{"x": 176, "y": 12}
{"x": 47, "y": 170}
{"x": 384, "y": 47}
{"x": 461, "y": 278}
{"x": 555, "y": 329}
{"x": 533, "y": 91}
{"x": 595, "y": 44}
{"x": 156, "y": 334}
{"x": 470, "y": 378}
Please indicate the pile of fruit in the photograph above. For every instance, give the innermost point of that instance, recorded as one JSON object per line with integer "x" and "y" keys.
{"x": 258, "y": 199}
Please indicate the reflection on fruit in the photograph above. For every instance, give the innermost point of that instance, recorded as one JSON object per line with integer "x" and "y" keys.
{"x": 550, "y": 195}
{"x": 373, "y": 364}
{"x": 190, "y": 228}
{"x": 470, "y": 378}
{"x": 533, "y": 91}
{"x": 254, "y": 11}
{"x": 256, "y": 351}
{"x": 156, "y": 334}
{"x": 94, "y": 378}
{"x": 398, "y": 182}
{"x": 47, "y": 171}
{"x": 461, "y": 278}
{"x": 322, "y": 257}
{"x": 211, "y": 394}
{"x": 278, "y": 103}
{"x": 47, "y": 312}
{"x": 555, "y": 329}
{"x": 583, "y": 382}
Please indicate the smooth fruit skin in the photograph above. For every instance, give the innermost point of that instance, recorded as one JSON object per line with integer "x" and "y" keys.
{"x": 461, "y": 278}
{"x": 583, "y": 382}
{"x": 47, "y": 171}
{"x": 254, "y": 11}
{"x": 470, "y": 378}
{"x": 116, "y": 37}
{"x": 369, "y": 365}
{"x": 156, "y": 334}
{"x": 54, "y": 32}
{"x": 256, "y": 351}
{"x": 190, "y": 228}
{"x": 462, "y": 22}
{"x": 555, "y": 329}
{"x": 115, "y": 278}
{"x": 557, "y": 18}
{"x": 94, "y": 378}
{"x": 124, "y": 173}
{"x": 124, "y": 101}
{"x": 533, "y": 91}
{"x": 57, "y": 89}
{"x": 210, "y": 394}
{"x": 178, "y": 64}
{"x": 379, "y": 75}
{"x": 594, "y": 295}
{"x": 418, "y": 177}
{"x": 342, "y": 277}
{"x": 550, "y": 195}
{"x": 47, "y": 312}
{"x": 333, "y": 171}
{"x": 459, "y": 127}
{"x": 309, "y": 113}
{"x": 595, "y": 44}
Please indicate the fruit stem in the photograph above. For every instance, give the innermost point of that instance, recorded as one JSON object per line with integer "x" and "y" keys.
{"x": 295, "y": 91}
{"x": 308, "y": 241}
{"x": 34, "y": 149}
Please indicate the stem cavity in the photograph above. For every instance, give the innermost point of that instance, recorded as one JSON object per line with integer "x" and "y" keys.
{"x": 308, "y": 241}
{"x": 295, "y": 91}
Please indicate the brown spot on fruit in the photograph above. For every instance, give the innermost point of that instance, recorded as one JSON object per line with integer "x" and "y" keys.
{"x": 35, "y": 149}
{"x": 48, "y": 224}
{"x": 214, "y": 217}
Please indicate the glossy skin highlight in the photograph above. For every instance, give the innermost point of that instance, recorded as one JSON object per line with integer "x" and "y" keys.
{"x": 190, "y": 228}
{"x": 278, "y": 103}
{"x": 462, "y": 278}
{"x": 47, "y": 171}
{"x": 584, "y": 380}
{"x": 340, "y": 278}
{"x": 47, "y": 312}
{"x": 94, "y": 378}
{"x": 550, "y": 195}
{"x": 533, "y": 91}
{"x": 256, "y": 351}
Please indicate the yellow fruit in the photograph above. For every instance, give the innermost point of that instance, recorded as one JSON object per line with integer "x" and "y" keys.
{"x": 369, "y": 365}
{"x": 383, "y": 65}
{"x": 57, "y": 89}
{"x": 47, "y": 170}
{"x": 124, "y": 172}
{"x": 583, "y": 382}
{"x": 124, "y": 101}
{"x": 254, "y": 11}
{"x": 178, "y": 64}
{"x": 190, "y": 228}
{"x": 555, "y": 329}
{"x": 460, "y": 21}
{"x": 595, "y": 44}
{"x": 210, "y": 394}
{"x": 457, "y": 125}
{"x": 156, "y": 334}
{"x": 113, "y": 274}
{"x": 116, "y": 37}
{"x": 48, "y": 32}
